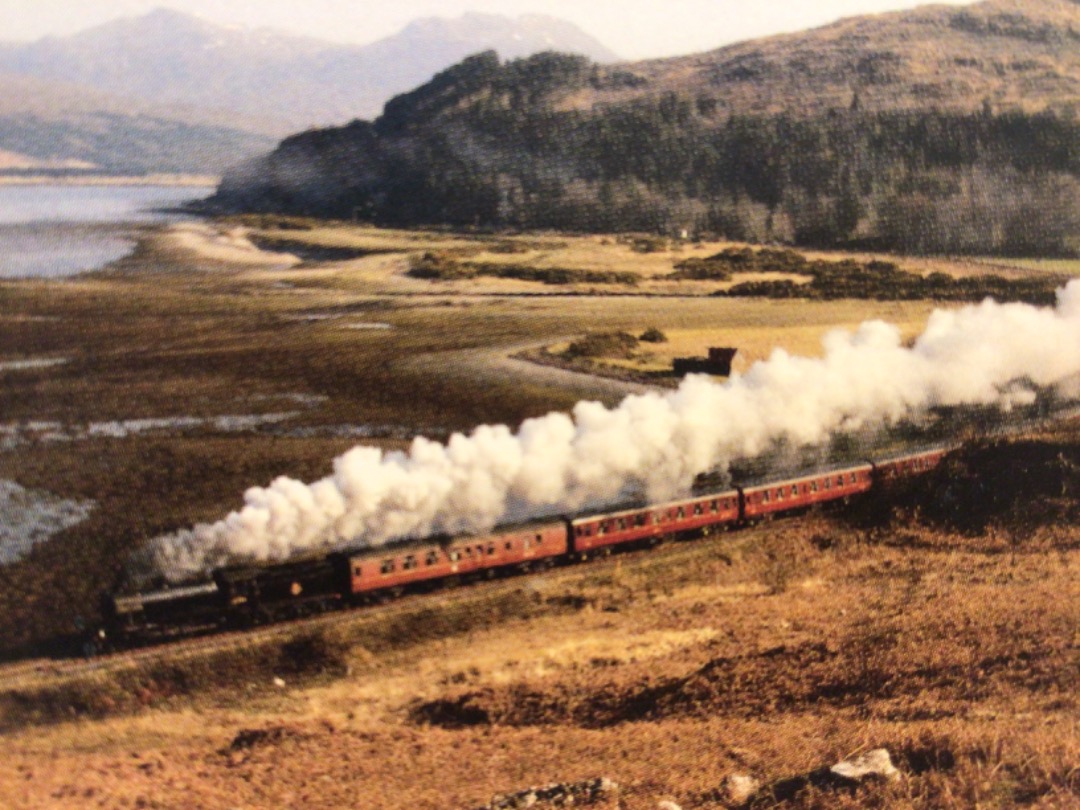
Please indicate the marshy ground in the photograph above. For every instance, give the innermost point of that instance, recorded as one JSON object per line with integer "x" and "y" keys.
{"x": 199, "y": 367}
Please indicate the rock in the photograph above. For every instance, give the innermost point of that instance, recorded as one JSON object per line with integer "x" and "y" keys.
{"x": 876, "y": 764}
{"x": 279, "y": 683}
{"x": 737, "y": 788}
{"x": 560, "y": 794}
{"x": 845, "y": 775}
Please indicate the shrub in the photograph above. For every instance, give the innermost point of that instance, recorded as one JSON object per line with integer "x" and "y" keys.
{"x": 604, "y": 344}
{"x": 653, "y": 335}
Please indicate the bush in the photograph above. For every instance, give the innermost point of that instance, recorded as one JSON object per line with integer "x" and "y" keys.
{"x": 440, "y": 267}
{"x": 653, "y": 335}
{"x": 604, "y": 344}
{"x": 875, "y": 280}
{"x": 649, "y": 244}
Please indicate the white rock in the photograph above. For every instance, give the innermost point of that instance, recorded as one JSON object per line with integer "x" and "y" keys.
{"x": 872, "y": 764}
{"x": 739, "y": 787}
{"x": 279, "y": 683}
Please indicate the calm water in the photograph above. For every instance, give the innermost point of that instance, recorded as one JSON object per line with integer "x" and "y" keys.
{"x": 52, "y": 231}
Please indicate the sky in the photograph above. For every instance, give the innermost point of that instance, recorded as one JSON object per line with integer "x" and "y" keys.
{"x": 635, "y": 29}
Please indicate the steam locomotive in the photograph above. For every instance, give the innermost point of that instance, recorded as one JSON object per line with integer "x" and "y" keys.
{"x": 244, "y": 596}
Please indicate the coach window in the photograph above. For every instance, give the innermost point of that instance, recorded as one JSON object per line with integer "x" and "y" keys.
{"x": 813, "y": 486}
{"x": 853, "y": 478}
{"x": 432, "y": 558}
{"x": 410, "y": 563}
{"x": 491, "y": 548}
{"x": 387, "y": 567}
{"x": 681, "y": 513}
{"x": 510, "y": 545}
{"x": 455, "y": 555}
{"x": 765, "y": 496}
{"x": 539, "y": 539}
{"x": 795, "y": 490}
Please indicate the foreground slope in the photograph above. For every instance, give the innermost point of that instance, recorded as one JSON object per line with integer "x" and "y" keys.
{"x": 765, "y": 653}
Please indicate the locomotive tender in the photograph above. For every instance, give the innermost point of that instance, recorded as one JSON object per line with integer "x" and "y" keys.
{"x": 244, "y": 596}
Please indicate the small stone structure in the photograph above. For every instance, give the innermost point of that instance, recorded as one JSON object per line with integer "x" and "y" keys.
{"x": 718, "y": 362}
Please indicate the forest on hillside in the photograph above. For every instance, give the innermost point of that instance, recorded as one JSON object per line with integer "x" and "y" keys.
{"x": 493, "y": 145}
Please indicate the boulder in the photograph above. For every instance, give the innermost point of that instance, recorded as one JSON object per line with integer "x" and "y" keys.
{"x": 737, "y": 788}
{"x": 876, "y": 764}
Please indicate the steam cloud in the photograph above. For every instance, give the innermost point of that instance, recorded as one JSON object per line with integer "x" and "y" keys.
{"x": 990, "y": 354}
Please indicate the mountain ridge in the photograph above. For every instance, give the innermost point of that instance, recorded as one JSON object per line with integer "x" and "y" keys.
{"x": 172, "y": 57}
{"x": 894, "y": 131}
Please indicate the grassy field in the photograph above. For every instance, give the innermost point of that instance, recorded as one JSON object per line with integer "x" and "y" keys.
{"x": 1066, "y": 268}
{"x": 162, "y": 388}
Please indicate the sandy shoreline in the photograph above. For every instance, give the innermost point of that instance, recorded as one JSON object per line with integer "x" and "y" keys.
{"x": 208, "y": 241}
{"x": 193, "y": 180}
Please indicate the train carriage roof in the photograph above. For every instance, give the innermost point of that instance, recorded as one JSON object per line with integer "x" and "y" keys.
{"x": 810, "y": 476}
{"x": 653, "y": 507}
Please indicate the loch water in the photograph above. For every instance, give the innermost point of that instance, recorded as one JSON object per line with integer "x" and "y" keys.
{"x": 51, "y": 231}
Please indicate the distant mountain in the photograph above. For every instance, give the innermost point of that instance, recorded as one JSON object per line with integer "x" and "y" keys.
{"x": 940, "y": 129}
{"x": 284, "y": 82}
{"x": 52, "y": 126}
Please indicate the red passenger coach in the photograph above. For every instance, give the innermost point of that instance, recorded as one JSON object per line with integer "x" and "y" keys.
{"x": 397, "y": 568}
{"x": 800, "y": 493}
{"x": 912, "y": 464}
{"x": 635, "y": 525}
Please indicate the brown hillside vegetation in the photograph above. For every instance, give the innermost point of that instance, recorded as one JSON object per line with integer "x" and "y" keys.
{"x": 1014, "y": 53}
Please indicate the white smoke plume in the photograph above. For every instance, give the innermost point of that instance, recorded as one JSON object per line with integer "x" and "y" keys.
{"x": 655, "y": 443}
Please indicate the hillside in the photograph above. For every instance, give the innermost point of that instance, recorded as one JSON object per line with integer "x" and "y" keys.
{"x": 54, "y": 126}
{"x": 724, "y": 673}
{"x": 943, "y": 129}
{"x": 281, "y": 81}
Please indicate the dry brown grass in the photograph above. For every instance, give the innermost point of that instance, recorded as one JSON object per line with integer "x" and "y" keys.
{"x": 672, "y": 670}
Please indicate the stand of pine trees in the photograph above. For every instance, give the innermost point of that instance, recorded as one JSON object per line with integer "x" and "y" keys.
{"x": 488, "y": 145}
